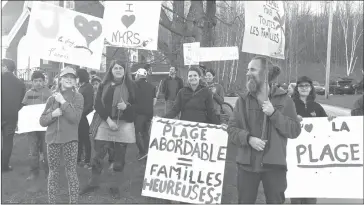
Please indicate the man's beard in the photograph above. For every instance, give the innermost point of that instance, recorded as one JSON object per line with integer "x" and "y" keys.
{"x": 253, "y": 85}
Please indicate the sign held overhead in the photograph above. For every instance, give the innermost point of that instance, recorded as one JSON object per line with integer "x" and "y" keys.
{"x": 63, "y": 35}
{"x": 264, "y": 28}
{"x": 193, "y": 53}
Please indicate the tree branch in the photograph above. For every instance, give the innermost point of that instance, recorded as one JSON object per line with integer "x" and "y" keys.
{"x": 232, "y": 22}
{"x": 179, "y": 16}
{"x": 166, "y": 23}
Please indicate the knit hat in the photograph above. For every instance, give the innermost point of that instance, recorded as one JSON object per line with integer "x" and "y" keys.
{"x": 304, "y": 79}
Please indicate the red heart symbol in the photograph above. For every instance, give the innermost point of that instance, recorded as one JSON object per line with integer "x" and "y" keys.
{"x": 309, "y": 127}
{"x": 89, "y": 30}
{"x": 128, "y": 20}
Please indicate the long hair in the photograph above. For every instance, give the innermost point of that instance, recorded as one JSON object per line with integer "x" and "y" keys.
{"x": 109, "y": 77}
{"x": 311, "y": 96}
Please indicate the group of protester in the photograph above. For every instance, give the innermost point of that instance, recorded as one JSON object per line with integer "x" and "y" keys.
{"x": 123, "y": 113}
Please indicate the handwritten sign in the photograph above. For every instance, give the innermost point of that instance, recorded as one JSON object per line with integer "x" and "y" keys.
{"x": 264, "y": 28}
{"x": 132, "y": 24}
{"x": 218, "y": 53}
{"x": 28, "y": 119}
{"x": 64, "y": 35}
{"x": 190, "y": 53}
{"x": 186, "y": 161}
{"x": 326, "y": 160}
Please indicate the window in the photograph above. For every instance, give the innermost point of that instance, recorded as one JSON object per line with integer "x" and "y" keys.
{"x": 45, "y": 62}
{"x": 70, "y": 4}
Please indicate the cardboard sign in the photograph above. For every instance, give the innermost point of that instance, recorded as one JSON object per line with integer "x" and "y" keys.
{"x": 264, "y": 28}
{"x": 218, "y": 54}
{"x": 326, "y": 160}
{"x": 190, "y": 53}
{"x": 186, "y": 161}
{"x": 28, "y": 119}
{"x": 64, "y": 35}
{"x": 132, "y": 24}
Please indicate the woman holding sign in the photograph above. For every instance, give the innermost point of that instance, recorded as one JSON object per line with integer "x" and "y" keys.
{"x": 61, "y": 116}
{"x": 304, "y": 96}
{"x": 194, "y": 102}
{"x": 113, "y": 126}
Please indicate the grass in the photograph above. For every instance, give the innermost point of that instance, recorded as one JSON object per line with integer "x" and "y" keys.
{"x": 15, "y": 188}
{"x": 345, "y": 101}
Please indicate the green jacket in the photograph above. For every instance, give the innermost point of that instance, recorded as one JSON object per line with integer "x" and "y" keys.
{"x": 247, "y": 119}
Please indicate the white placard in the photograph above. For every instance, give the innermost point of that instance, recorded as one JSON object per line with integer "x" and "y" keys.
{"x": 218, "y": 53}
{"x": 191, "y": 53}
{"x": 186, "y": 161}
{"x": 326, "y": 160}
{"x": 264, "y": 28}
{"x": 63, "y": 35}
{"x": 132, "y": 24}
{"x": 28, "y": 119}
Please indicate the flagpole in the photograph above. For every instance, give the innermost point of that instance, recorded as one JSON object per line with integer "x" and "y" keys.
{"x": 328, "y": 54}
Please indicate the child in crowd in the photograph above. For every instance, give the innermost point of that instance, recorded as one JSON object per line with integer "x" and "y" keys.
{"x": 38, "y": 94}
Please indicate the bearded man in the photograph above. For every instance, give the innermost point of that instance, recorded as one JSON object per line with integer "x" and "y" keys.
{"x": 262, "y": 157}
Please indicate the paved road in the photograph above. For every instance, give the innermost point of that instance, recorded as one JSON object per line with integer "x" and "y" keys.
{"x": 330, "y": 110}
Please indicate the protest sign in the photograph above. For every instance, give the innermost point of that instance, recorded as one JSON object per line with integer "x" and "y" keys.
{"x": 132, "y": 24}
{"x": 63, "y": 35}
{"x": 326, "y": 160}
{"x": 28, "y": 118}
{"x": 193, "y": 53}
{"x": 218, "y": 53}
{"x": 190, "y": 53}
{"x": 186, "y": 161}
{"x": 264, "y": 28}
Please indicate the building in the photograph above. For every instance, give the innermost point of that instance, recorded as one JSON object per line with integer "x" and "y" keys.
{"x": 15, "y": 18}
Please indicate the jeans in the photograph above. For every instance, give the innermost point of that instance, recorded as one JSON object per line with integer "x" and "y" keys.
{"x": 101, "y": 148}
{"x": 274, "y": 184}
{"x": 37, "y": 145}
{"x": 168, "y": 106}
{"x": 142, "y": 126}
{"x": 7, "y": 137}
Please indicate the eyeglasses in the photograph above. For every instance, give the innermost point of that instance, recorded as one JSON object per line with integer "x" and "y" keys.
{"x": 304, "y": 86}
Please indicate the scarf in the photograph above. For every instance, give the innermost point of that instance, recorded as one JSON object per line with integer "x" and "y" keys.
{"x": 121, "y": 94}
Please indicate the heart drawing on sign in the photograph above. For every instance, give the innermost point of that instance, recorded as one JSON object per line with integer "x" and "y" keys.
{"x": 128, "y": 20}
{"x": 309, "y": 127}
{"x": 89, "y": 30}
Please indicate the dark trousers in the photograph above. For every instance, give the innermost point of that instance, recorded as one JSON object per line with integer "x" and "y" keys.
{"x": 84, "y": 142}
{"x": 37, "y": 144}
{"x": 7, "y": 136}
{"x": 303, "y": 200}
{"x": 101, "y": 148}
{"x": 142, "y": 126}
{"x": 274, "y": 184}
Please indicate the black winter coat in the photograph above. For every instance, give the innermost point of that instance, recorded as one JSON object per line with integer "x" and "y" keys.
{"x": 194, "y": 106}
{"x": 311, "y": 109}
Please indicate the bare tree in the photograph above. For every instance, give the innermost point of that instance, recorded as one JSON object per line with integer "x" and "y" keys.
{"x": 350, "y": 19}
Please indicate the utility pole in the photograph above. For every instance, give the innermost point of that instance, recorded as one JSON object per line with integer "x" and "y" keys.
{"x": 328, "y": 54}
